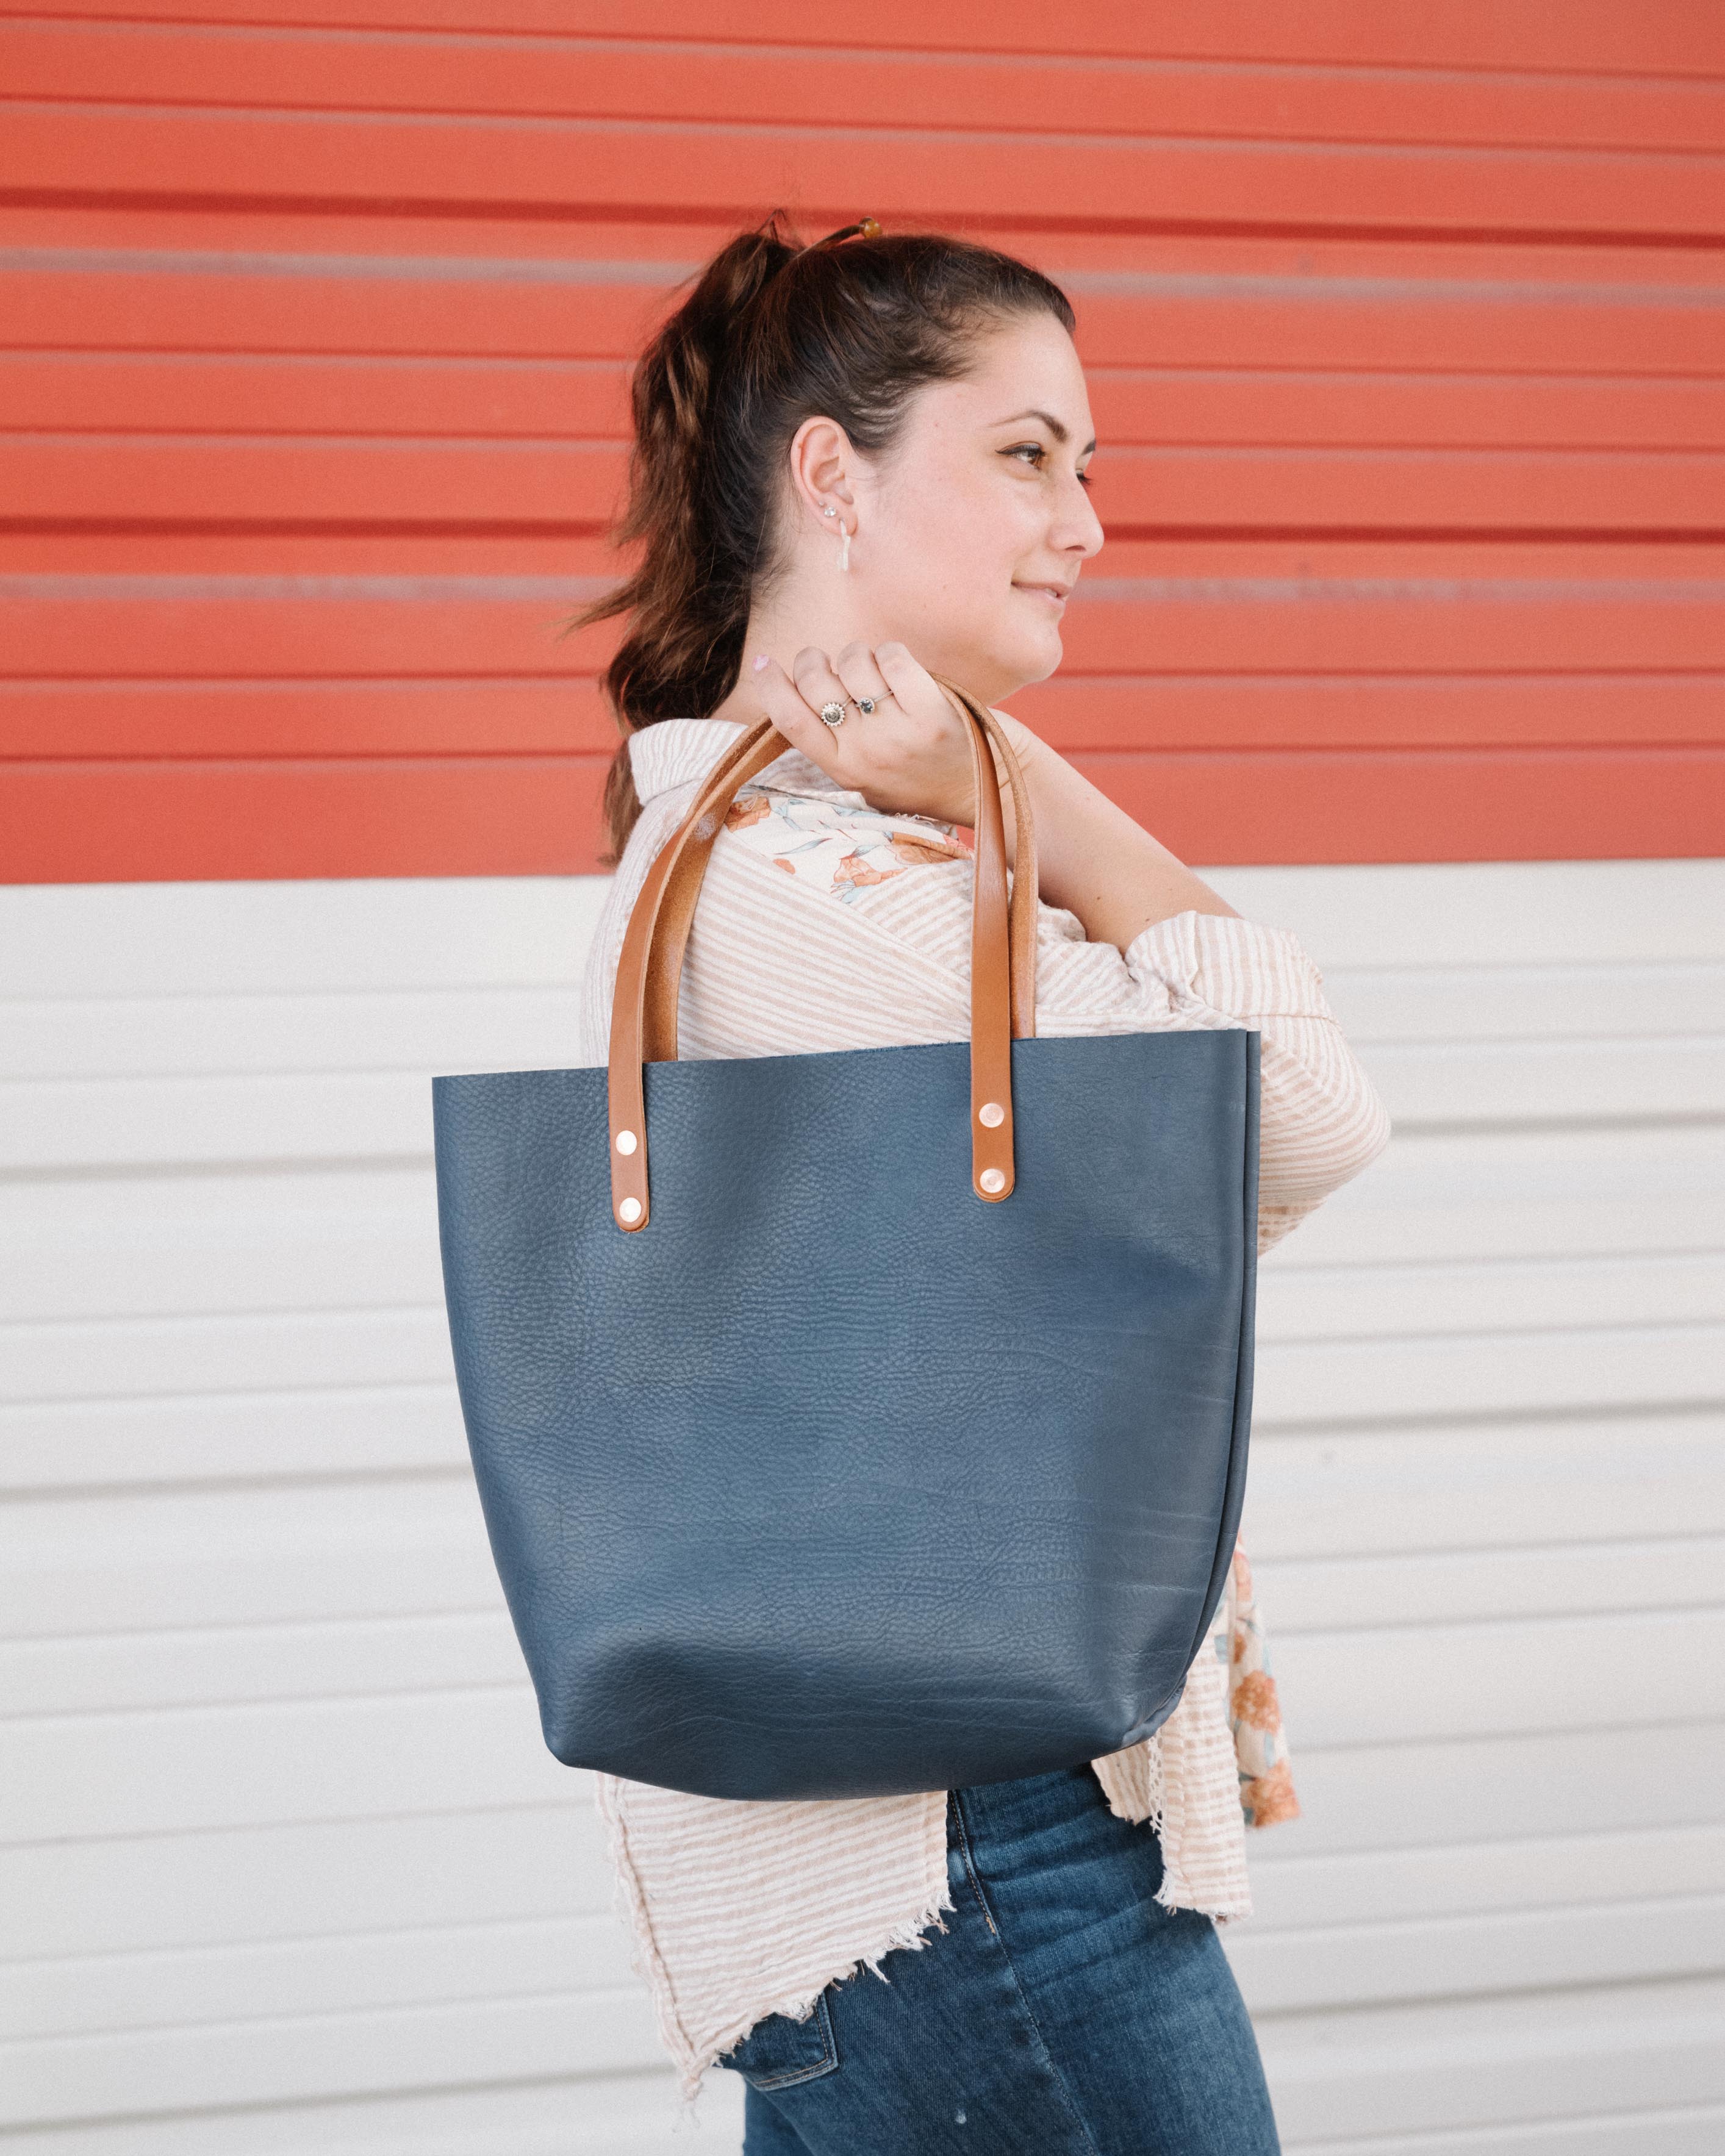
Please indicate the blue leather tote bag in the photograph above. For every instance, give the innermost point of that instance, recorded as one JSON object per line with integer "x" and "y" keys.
{"x": 853, "y": 1423}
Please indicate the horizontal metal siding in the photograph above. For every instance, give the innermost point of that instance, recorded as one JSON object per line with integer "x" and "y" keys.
{"x": 1407, "y": 340}
{"x": 285, "y": 1864}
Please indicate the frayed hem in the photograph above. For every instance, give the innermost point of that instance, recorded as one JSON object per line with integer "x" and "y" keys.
{"x": 1222, "y": 1912}
{"x": 1134, "y": 1784}
{"x": 906, "y": 1936}
{"x": 629, "y": 1903}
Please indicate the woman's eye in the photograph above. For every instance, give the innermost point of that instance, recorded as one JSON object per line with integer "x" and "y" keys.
{"x": 1035, "y": 454}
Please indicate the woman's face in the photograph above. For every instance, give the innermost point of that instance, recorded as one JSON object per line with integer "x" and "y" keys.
{"x": 972, "y": 529}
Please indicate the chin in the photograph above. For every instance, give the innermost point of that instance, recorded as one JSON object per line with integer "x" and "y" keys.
{"x": 1032, "y": 658}
{"x": 995, "y": 665}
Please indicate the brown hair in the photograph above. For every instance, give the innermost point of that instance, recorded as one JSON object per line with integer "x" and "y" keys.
{"x": 771, "y": 336}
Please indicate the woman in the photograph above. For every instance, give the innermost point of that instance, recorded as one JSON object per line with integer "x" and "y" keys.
{"x": 859, "y": 464}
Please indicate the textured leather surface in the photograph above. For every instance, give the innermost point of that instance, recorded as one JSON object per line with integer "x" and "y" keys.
{"x": 839, "y": 1482}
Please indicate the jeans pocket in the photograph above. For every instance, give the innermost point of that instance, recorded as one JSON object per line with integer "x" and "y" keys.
{"x": 778, "y": 2052}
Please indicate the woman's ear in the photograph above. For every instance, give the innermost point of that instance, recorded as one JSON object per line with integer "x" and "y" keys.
{"x": 822, "y": 466}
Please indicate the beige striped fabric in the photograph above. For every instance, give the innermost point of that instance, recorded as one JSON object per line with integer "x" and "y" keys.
{"x": 822, "y": 925}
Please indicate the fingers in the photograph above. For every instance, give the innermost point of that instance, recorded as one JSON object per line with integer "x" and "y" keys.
{"x": 859, "y": 675}
{"x": 781, "y": 701}
{"x": 912, "y": 686}
{"x": 912, "y": 752}
{"x": 818, "y": 684}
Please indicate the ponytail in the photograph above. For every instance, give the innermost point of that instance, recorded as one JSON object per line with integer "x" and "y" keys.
{"x": 688, "y": 602}
{"x": 772, "y": 334}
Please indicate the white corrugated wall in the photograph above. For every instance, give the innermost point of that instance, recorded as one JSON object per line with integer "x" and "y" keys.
{"x": 283, "y": 1865}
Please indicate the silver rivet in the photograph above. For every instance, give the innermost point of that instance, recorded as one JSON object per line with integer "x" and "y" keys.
{"x": 626, "y": 1141}
{"x": 629, "y": 1210}
{"x": 991, "y": 1179}
{"x": 992, "y": 1113}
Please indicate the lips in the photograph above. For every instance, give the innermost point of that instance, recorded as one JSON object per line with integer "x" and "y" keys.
{"x": 1058, "y": 593}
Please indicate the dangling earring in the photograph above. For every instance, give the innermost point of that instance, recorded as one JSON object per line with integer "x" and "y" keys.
{"x": 844, "y": 547}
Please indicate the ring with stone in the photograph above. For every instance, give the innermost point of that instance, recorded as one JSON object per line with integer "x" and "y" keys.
{"x": 834, "y": 714}
{"x": 867, "y": 704}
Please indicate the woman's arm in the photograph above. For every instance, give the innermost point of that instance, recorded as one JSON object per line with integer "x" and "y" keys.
{"x": 884, "y": 958}
{"x": 911, "y": 755}
{"x": 1094, "y": 859}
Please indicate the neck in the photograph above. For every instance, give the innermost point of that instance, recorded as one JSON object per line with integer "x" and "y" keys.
{"x": 827, "y": 612}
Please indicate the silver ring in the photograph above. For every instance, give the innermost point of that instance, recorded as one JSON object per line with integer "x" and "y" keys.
{"x": 867, "y": 704}
{"x": 834, "y": 714}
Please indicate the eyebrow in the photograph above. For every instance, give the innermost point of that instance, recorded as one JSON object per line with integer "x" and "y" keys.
{"x": 1059, "y": 432}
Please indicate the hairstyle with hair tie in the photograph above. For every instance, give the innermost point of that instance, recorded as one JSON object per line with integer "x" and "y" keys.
{"x": 771, "y": 335}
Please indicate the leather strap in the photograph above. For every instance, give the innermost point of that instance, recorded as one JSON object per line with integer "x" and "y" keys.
{"x": 644, "y": 1015}
{"x": 676, "y": 913}
{"x": 1026, "y": 893}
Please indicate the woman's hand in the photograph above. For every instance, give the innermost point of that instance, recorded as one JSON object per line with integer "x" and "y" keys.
{"x": 910, "y": 755}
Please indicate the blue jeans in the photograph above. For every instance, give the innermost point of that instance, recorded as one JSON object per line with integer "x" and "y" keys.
{"x": 1063, "y": 2012}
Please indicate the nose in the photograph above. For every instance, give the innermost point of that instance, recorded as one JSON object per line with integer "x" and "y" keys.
{"x": 1078, "y": 529}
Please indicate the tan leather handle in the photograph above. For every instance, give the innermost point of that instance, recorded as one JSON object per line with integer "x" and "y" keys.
{"x": 644, "y": 1015}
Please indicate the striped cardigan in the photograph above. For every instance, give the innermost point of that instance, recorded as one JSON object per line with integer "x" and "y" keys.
{"x": 824, "y": 924}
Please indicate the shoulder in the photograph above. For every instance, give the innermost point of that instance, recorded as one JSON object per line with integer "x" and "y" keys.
{"x": 834, "y": 844}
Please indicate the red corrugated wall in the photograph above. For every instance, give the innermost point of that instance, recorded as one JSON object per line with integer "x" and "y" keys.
{"x": 1406, "y": 327}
